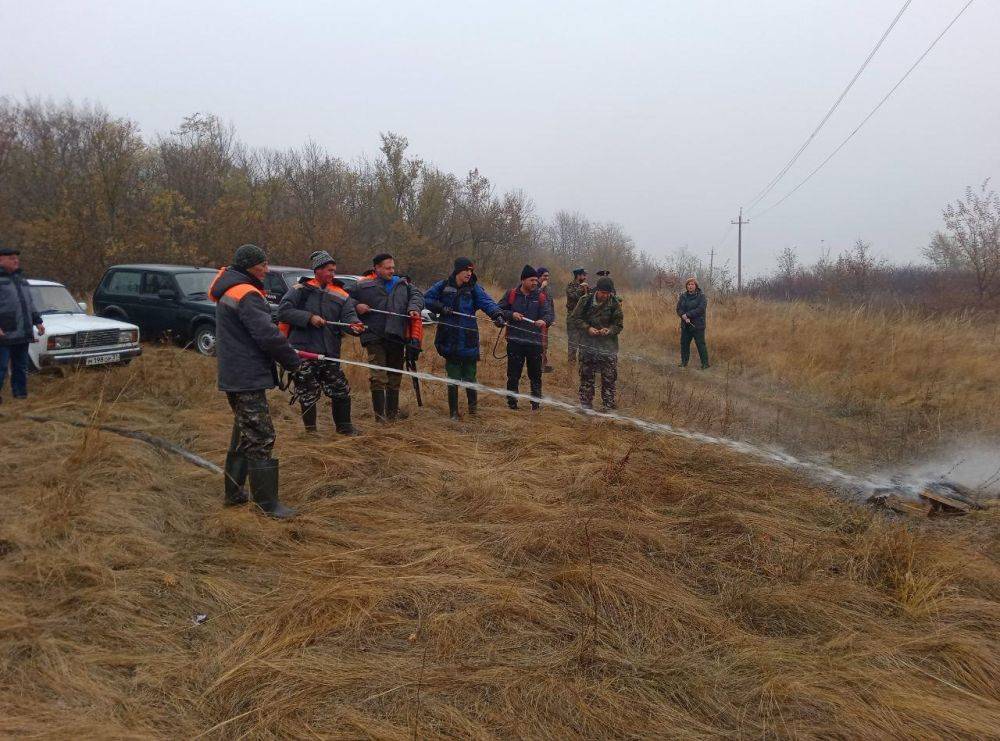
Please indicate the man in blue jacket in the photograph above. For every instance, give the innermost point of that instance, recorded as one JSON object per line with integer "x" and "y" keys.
{"x": 529, "y": 313}
{"x": 457, "y": 337}
{"x": 17, "y": 317}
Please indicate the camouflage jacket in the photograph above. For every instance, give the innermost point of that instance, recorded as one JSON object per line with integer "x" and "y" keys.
{"x": 574, "y": 292}
{"x": 590, "y": 313}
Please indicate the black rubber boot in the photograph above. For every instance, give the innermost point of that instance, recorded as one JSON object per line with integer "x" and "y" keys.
{"x": 342, "y": 417}
{"x": 264, "y": 488}
{"x": 392, "y": 405}
{"x": 309, "y": 416}
{"x": 473, "y": 397}
{"x": 453, "y": 402}
{"x": 378, "y": 405}
{"x": 235, "y": 476}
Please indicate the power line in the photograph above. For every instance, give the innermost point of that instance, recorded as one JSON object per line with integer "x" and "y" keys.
{"x": 770, "y": 186}
{"x": 872, "y": 113}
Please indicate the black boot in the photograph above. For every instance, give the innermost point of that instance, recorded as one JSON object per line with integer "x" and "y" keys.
{"x": 309, "y": 416}
{"x": 473, "y": 397}
{"x": 392, "y": 405}
{"x": 378, "y": 405}
{"x": 453, "y": 402}
{"x": 342, "y": 417}
{"x": 235, "y": 476}
{"x": 264, "y": 488}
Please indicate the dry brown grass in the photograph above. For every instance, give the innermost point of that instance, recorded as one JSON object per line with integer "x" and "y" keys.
{"x": 937, "y": 375}
{"x": 515, "y": 575}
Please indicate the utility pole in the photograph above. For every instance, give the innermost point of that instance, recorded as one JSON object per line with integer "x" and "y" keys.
{"x": 739, "y": 250}
{"x": 711, "y": 266}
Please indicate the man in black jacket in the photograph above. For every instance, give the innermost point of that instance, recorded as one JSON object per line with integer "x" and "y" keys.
{"x": 17, "y": 317}
{"x": 528, "y": 313}
{"x": 388, "y": 303}
{"x": 691, "y": 307}
{"x": 311, "y": 315}
{"x": 247, "y": 346}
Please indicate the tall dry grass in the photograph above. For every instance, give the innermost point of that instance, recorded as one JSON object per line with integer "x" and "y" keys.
{"x": 519, "y": 575}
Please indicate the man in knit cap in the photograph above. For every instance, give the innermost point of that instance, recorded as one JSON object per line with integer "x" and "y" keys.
{"x": 692, "y": 305}
{"x": 544, "y": 278}
{"x": 312, "y": 315}
{"x": 598, "y": 320}
{"x": 456, "y": 300}
{"x": 528, "y": 313}
{"x": 248, "y": 346}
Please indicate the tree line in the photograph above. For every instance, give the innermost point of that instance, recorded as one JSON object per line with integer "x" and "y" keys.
{"x": 82, "y": 189}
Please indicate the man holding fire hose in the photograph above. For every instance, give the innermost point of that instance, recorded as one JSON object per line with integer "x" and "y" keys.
{"x": 247, "y": 347}
{"x": 314, "y": 315}
{"x": 388, "y": 303}
{"x": 456, "y": 300}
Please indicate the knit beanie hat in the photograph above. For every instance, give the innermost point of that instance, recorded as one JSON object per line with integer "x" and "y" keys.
{"x": 528, "y": 272}
{"x": 541, "y": 271}
{"x": 462, "y": 263}
{"x": 319, "y": 258}
{"x": 248, "y": 255}
{"x": 605, "y": 284}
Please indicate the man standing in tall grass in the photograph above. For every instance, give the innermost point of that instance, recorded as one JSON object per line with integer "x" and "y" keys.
{"x": 692, "y": 305}
{"x": 528, "y": 313}
{"x": 17, "y": 317}
{"x": 598, "y": 320}
{"x": 575, "y": 291}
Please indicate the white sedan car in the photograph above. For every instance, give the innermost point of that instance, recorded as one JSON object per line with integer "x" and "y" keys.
{"x": 74, "y": 337}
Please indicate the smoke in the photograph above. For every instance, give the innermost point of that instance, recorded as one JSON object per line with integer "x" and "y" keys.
{"x": 973, "y": 464}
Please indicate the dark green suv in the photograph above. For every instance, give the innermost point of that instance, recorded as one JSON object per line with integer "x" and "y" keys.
{"x": 164, "y": 300}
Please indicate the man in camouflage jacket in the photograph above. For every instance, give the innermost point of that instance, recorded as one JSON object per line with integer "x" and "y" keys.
{"x": 599, "y": 320}
{"x": 575, "y": 291}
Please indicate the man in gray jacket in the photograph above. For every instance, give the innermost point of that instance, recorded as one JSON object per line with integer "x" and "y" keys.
{"x": 313, "y": 315}
{"x": 17, "y": 317}
{"x": 247, "y": 346}
{"x": 388, "y": 304}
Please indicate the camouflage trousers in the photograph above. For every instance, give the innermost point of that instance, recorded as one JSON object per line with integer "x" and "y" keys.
{"x": 253, "y": 431}
{"x": 327, "y": 377}
{"x": 591, "y": 364}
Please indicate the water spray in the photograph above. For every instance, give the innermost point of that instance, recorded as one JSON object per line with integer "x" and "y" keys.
{"x": 859, "y": 488}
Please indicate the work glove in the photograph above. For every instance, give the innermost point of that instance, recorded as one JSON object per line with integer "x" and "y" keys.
{"x": 445, "y": 310}
{"x": 499, "y": 321}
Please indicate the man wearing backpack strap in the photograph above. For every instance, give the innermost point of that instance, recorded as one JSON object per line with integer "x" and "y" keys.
{"x": 528, "y": 312}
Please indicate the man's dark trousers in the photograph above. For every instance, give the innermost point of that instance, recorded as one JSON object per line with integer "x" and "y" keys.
{"x": 517, "y": 356}
{"x": 15, "y": 356}
{"x": 688, "y": 333}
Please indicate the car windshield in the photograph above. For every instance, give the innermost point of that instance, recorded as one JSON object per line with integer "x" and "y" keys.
{"x": 54, "y": 300}
{"x": 195, "y": 284}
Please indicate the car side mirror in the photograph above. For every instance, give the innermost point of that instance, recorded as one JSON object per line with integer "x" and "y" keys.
{"x": 82, "y": 305}
{"x": 166, "y": 294}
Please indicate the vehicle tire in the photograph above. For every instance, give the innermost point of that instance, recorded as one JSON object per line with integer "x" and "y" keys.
{"x": 204, "y": 339}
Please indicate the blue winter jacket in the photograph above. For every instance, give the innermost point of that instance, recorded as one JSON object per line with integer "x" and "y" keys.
{"x": 457, "y": 337}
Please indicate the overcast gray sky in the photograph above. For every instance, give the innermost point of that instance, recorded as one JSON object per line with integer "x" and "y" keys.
{"x": 662, "y": 116}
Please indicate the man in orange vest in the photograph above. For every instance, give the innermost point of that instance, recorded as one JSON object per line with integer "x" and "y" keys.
{"x": 248, "y": 345}
{"x": 312, "y": 314}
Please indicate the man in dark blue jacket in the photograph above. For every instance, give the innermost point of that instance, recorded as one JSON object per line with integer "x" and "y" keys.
{"x": 247, "y": 346}
{"x": 529, "y": 314}
{"x": 17, "y": 317}
{"x": 457, "y": 337}
{"x": 691, "y": 308}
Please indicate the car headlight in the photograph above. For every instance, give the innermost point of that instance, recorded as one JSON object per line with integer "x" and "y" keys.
{"x": 60, "y": 342}
{"x": 127, "y": 336}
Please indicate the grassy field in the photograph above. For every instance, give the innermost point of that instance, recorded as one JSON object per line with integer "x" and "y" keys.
{"x": 520, "y": 575}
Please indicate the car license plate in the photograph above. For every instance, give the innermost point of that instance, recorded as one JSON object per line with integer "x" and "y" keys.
{"x": 103, "y": 359}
